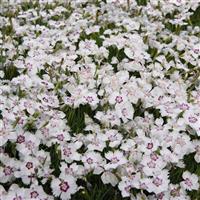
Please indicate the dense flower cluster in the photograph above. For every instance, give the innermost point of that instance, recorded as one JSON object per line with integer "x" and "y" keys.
{"x": 99, "y": 90}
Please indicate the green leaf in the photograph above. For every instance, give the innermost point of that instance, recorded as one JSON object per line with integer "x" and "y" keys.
{"x": 55, "y": 155}
{"x": 195, "y": 18}
{"x": 10, "y": 149}
{"x": 175, "y": 175}
{"x": 10, "y": 72}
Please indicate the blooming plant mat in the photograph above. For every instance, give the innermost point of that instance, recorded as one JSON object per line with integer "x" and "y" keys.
{"x": 100, "y": 99}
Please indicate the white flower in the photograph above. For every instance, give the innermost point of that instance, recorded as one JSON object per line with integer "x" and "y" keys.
{"x": 27, "y": 169}
{"x": 36, "y": 192}
{"x": 129, "y": 52}
{"x": 15, "y": 192}
{"x": 87, "y": 47}
{"x": 125, "y": 111}
{"x": 69, "y": 152}
{"x": 108, "y": 177}
{"x": 49, "y": 100}
{"x": 2, "y": 193}
{"x": 91, "y": 99}
{"x": 177, "y": 193}
{"x": 27, "y": 143}
{"x": 197, "y": 148}
{"x": 190, "y": 181}
{"x": 64, "y": 188}
{"x": 96, "y": 141}
{"x": 6, "y": 133}
{"x": 112, "y": 87}
{"x": 152, "y": 164}
{"x": 117, "y": 98}
{"x": 108, "y": 118}
{"x": 93, "y": 161}
{"x": 116, "y": 159}
{"x": 73, "y": 169}
{"x": 148, "y": 145}
{"x": 125, "y": 186}
{"x": 159, "y": 182}
{"x": 114, "y": 137}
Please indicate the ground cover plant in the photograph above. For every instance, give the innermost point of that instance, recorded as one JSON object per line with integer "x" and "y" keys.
{"x": 100, "y": 99}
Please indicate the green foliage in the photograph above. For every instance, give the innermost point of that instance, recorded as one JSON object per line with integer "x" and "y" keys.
{"x": 30, "y": 126}
{"x": 115, "y": 52}
{"x": 139, "y": 110}
{"x": 153, "y": 52}
{"x": 94, "y": 189}
{"x": 194, "y": 194}
{"x": 175, "y": 175}
{"x": 26, "y": 5}
{"x": 57, "y": 46}
{"x": 195, "y": 18}
{"x": 191, "y": 164}
{"x": 10, "y": 149}
{"x": 142, "y": 2}
{"x": 7, "y": 30}
{"x": 10, "y": 72}
{"x": 41, "y": 22}
{"x": 76, "y": 117}
{"x": 55, "y": 155}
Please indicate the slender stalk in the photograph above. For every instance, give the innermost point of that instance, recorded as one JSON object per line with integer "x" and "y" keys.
{"x": 128, "y": 4}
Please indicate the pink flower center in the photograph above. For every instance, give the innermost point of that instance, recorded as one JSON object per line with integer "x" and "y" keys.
{"x": 184, "y": 106}
{"x": 29, "y": 165}
{"x": 64, "y": 186}
{"x": 127, "y": 188}
{"x": 119, "y": 99}
{"x": 29, "y": 145}
{"x": 17, "y": 198}
{"x": 151, "y": 164}
{"x": 87, "y": 45}
{"x": 157, "y": 181}
{"x": 196, "y": 51}
{"x": 8, "y": 171}
{"x": 89, "y": 160}
{"x": 34, "y": 194}
{"x": 70, "y": 100}
{"x": 154, "y": 157}
{"x": 188, "y": 182}
{"x": 180, "y": 141}
{"x": 20, "y": 139}
{"x": 150, "y": 145}
{"x": 114, "y": 160}
{"x": 112, "y": 117}
{"x": 45, "y": 132}
{"x": 67, "y": 152}
{"x": 89, "y": 99}
{"x": 68, "y": 170}
{"x": 143, "y": 186}
{"x": 192, "y": 119}
{"x": 160, "y": 196}
{"x": 60, "y": 137}
{"x": 112, "y": 138}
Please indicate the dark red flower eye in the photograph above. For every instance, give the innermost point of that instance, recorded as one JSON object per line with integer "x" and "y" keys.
{"x": 64, "y": 186}
{"x": 34, "y": 194}
{"x": 150, "y": 145}
{"x": 119, "y": 99}
{"x": 20, "y": 139}
{"x": 29, "y": 165}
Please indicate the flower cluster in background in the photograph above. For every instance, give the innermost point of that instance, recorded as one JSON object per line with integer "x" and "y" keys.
{"x": 100, "y": 100}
